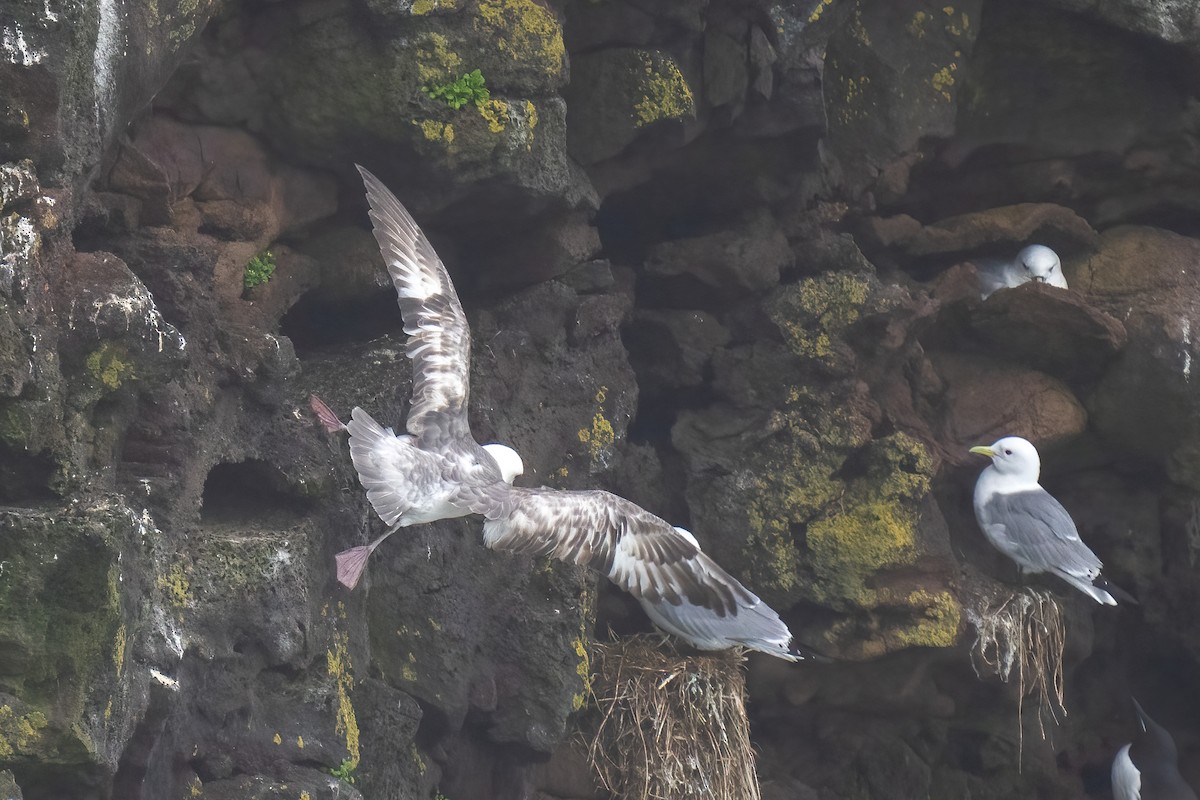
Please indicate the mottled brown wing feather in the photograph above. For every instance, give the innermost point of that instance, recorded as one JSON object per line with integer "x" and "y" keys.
{"x": 440, "y": 340}
{"x": 638, "y": 551}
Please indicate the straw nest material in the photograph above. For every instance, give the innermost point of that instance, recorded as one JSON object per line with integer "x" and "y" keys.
{"x": 1024, "y": 633}
{"x": 669, "y": 726}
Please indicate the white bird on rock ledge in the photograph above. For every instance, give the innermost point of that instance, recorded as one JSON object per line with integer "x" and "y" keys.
{"x": 1024, "y": 522}
{"x": 438, "y": 471}
{"x": 1034, "y": 263}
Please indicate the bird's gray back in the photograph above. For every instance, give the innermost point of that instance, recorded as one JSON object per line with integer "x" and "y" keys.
{"x": 1034, "y": 529}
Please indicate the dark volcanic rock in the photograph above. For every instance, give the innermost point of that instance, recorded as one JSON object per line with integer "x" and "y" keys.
{"x": 732, "y": 284}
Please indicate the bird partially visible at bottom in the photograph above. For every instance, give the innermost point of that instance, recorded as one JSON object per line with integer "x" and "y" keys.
{"x": 1148, "y": 767}
{"x": 436, "y": 470}
{"x": 1024, "y": 522}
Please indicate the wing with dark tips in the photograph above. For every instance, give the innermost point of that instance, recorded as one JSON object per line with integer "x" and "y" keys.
{"x": 439, "y": 340}
{"x": 638, "y": 551}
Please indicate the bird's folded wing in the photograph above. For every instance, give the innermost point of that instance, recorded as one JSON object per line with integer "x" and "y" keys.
{"x": 440, "y": 340}
{"x": 638, "y": 551}
{"x": 1040, "y": 529}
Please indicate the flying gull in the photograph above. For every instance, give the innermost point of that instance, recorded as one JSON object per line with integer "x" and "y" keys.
{"x": 1034, "y": 263}
{"x": 436, "y": 470}
{"x": 1024, "y": 522}
{"x": 1148, "y": 767}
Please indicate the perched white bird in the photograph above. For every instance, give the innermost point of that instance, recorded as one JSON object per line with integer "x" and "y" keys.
{"x": 1034, "y": 263}
{"x": 436, "y": 471}
{"x": 1148, "y": 767}
{"x": 1024, "y": 522}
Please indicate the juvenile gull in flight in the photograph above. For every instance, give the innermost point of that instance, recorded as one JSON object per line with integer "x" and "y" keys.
{"x": 436, "y": 470}
{"x": 1024, "y": 522}
{"x": 1148, "y": 767}
{"x": 1034, "y": 263}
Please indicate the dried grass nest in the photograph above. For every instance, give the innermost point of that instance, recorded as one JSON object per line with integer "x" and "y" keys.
{"x": 1024, "y": 632}
{"x": 669, "y": 725}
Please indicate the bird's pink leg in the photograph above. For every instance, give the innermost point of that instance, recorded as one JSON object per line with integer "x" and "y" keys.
{"x": 328, "y": 419}
{"x": 351, "y": 563}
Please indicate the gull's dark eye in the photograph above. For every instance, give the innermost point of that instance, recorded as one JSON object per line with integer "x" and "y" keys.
{"x": 1008, "y": 452}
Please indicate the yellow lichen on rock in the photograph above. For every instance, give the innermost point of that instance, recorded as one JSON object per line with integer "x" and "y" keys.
{"x": 531, "y": 123}
{"x": 19, "y": 732}
{"x": 422, "y": 7}
{"x": 817, "y": 310}
{"x": 436, "y": 62}
{"x": 943, "y": 80}
{"x": 819, "y": 10}
{"x": 495, "y": 113}
{"x": 436, "y": 131}
{"x": 176, "y": 586}
{"x": 119, "y": 649}
{"x": 665, "y": 91}
{"x": 872, "y": 526}
{"x": 584, "y": 668}
{"x": 527, "y": 32}
{"x": 938, "y": 623}
{"x": 337, "y": 664}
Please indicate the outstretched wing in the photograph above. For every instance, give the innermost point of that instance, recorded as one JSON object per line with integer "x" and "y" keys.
{"x": 638, "y": 551}
{"x": 1037, "y": 532}
{"x": 440, "y": 341}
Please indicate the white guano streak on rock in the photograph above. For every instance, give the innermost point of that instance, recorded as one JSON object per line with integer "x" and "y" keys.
{"x": 108, "y": 50}
{"x": 1187, "y": 349}
{"x": 16, "y": 49}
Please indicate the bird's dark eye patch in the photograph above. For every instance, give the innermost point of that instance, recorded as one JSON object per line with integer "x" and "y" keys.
{"x": 1008, "y": 452}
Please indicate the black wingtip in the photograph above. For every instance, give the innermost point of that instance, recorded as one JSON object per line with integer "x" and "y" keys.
{"x": 1116, "y": 591}
{"x": 803, "y": 653}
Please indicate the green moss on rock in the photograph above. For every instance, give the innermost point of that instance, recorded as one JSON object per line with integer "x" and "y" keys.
{"x": 110, "y": 365}
{"x": 60, "y": 618}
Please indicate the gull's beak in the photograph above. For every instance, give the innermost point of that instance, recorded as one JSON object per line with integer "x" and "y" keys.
{"x": 1039, "y": 279}
{"x": 983, "y": 451}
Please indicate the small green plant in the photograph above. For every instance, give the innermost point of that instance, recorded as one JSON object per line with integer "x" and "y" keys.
{"x": 259, "y": 269}
{"x": 469, "y": 88}
{"x": 345, "y": 771}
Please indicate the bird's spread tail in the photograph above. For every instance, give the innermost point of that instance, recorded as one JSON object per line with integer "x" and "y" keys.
{"x": 329, "y": 420}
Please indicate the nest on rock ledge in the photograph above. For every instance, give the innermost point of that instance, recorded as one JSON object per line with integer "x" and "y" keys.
{"x": 668, "y": 725}
{"x": 1024, "y": 632}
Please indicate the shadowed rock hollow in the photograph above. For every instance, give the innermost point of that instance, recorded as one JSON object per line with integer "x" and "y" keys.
{"x": 717, "y": 257}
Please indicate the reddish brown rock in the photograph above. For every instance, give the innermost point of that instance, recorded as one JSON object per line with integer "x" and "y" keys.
{"x": 985, "y": 400}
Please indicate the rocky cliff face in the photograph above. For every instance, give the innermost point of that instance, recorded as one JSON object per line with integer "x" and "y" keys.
{"x": 715, "y": 256}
